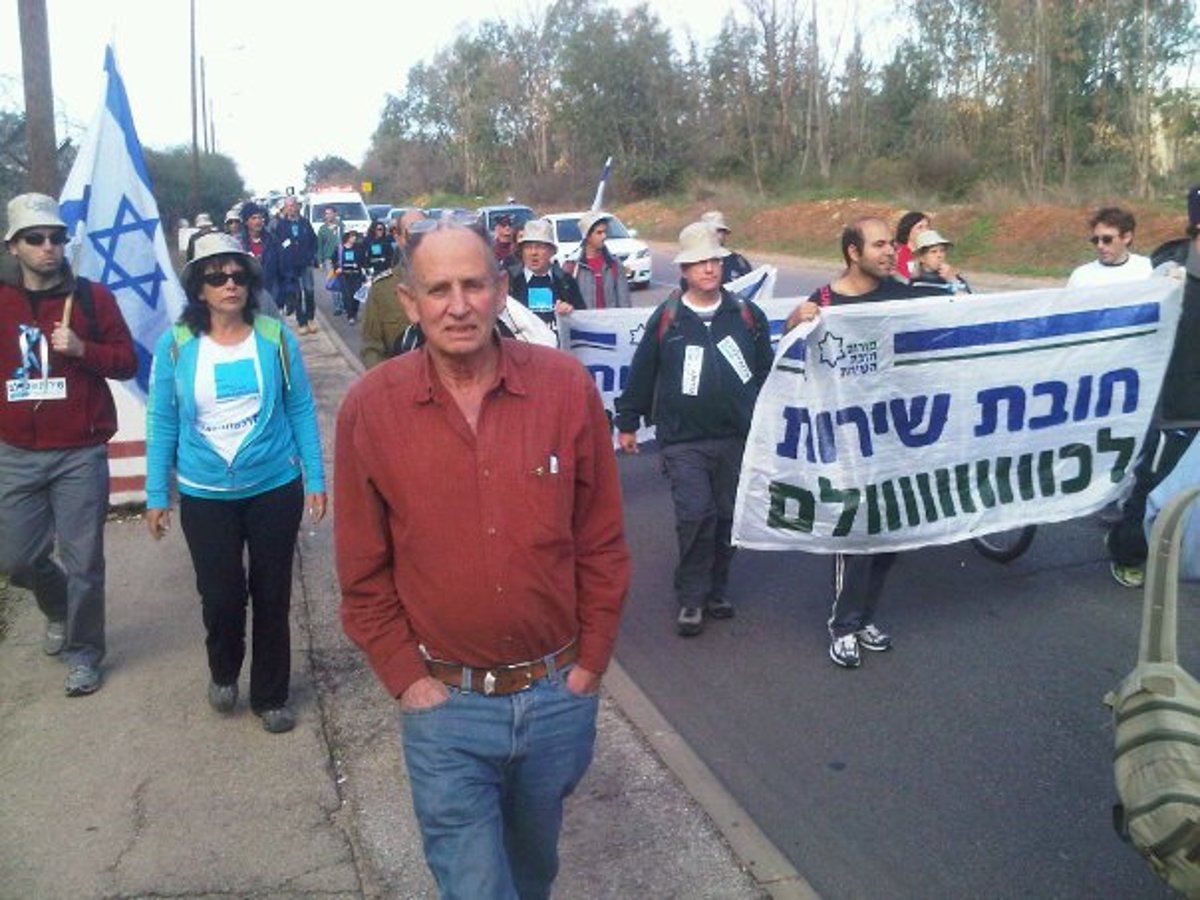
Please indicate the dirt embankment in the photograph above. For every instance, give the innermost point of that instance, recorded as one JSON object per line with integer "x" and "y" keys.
{"x": 1039, "y": 239}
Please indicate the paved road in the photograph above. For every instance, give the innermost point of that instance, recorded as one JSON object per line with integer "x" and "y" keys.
{"x": 974, "y": 760}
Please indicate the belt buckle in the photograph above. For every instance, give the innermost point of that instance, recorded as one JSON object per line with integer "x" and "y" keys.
{"x": 489, "y": 683}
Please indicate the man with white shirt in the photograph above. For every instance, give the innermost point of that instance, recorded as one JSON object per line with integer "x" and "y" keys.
{"x": 1112, "y": 236}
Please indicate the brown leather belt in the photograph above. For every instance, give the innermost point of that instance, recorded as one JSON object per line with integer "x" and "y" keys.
{"x": 499, "y": 680}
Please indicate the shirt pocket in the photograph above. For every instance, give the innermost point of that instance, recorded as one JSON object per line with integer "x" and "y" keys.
{"x": 549, "y": 491}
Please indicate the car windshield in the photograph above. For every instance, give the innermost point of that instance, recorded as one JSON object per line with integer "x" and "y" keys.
{"x": 568, "y": 230}
{"x": 347, "y": 211}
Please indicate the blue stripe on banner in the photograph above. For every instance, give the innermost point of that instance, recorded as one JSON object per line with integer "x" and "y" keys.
{"x": 117, "y": 102}
{"x": 594, "y": 338}
{"x": 1019, "y": 330}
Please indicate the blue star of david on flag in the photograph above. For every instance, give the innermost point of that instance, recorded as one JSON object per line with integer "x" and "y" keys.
{"x": 117, "y": 239}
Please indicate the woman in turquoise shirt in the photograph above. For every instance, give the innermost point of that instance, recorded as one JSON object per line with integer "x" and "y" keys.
{"x": 231, "y": 411}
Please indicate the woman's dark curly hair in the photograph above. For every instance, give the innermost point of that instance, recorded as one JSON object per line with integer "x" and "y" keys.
{"x": 195, "y": 315}
{"x": 906, "y": 224}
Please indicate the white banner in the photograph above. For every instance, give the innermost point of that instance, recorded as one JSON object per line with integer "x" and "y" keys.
{"x": 890, "y": 426}
{"x": 604, "y": 340}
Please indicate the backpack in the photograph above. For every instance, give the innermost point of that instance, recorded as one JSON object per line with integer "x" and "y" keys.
{"x": 1156, "y": 714}
{"x": 269, "y": 328}
{"x": 671, "y": 312}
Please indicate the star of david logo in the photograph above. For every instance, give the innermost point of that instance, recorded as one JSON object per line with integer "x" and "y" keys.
{"x": 636, "y": 334}
{"x": 831, "y": 350}
{"x": 129, "y": 244}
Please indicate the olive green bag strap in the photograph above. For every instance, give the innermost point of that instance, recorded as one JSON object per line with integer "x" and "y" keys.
{"x": 1160, "y": 619}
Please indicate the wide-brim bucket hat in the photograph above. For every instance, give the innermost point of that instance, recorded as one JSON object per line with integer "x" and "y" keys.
{"x": 930, "y": 238}
{"x": 716, "y": 219}
{"x": 218, "y": 243}
{"x": 32, "y": 211}
{"x": 538, "y": 231}
{"x": 698, "y": 242}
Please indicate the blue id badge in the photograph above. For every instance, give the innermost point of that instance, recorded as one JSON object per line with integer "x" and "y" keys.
{"x": 541, "y": 299}
{"x": 236, "y": 379}
{"x": 377, "y": 249}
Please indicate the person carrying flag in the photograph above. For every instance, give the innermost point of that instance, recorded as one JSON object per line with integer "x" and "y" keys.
{"x": 60, "y": 338}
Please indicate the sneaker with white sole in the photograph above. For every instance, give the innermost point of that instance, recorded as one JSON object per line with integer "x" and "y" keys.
{"x": 871, "y": 638}
{"x": 1128, "y": 576}
{"x": 54, "y": 638}
{"x": 843, "y": 650}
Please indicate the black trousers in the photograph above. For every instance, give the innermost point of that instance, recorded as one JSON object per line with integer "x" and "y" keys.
{"x": 220, "y": 533}
{"x": 1162, "y": 452}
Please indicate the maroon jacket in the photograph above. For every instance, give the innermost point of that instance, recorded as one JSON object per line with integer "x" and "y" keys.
{"x": 88, "y": 415}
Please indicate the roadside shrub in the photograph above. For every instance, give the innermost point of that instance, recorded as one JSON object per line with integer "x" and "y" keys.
{"x": 949, "y": 171}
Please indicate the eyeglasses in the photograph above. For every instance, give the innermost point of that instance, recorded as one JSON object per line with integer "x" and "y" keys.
{"x": 1104, "y": 239}
{"x": 217, "y": 279}
{"x": 37, "y": 238}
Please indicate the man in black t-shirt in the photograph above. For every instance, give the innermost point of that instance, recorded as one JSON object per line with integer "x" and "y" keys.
{"x": 870, "y": 255}
{"x": 537, "y": 281}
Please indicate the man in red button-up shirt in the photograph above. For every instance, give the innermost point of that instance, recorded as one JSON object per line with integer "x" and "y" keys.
{"x": 479, "y": 534}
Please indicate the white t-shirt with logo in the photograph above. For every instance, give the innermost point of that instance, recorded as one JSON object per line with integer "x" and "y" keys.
{"x": 1096, "y": 274}
{"x": 228, "y": 393}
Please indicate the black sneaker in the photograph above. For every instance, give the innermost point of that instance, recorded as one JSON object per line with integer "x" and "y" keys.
{"x": 690, "y": 621}
{"x": 278, "y": 720}
{"x": 222, "y": 697}
{"x": 871, "y": 638}
{"x": 843, "y": 650}
{"x": 718, "y": 608}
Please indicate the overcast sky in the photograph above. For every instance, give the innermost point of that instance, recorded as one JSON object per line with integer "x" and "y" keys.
{"x": 288, "y": 81}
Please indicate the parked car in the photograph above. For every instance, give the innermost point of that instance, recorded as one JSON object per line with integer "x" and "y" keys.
{"x": 520, "y": 215}
{"x": 622, "y": 243}
{"x": 379, "y": 211}
{"x": 348, "y": 204}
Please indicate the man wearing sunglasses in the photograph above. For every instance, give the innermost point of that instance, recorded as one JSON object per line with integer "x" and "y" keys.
{"x": 56, "y": 416}
{"x": 1112, "y": 236}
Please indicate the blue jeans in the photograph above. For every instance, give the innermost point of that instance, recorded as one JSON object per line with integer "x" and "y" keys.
{"x": 489, "y": 776}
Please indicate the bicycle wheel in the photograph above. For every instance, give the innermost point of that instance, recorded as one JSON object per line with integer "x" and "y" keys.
{"x": 1005, "y": 546}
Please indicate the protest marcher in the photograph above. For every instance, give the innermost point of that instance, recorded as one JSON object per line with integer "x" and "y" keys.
{"x": 858, "y": 579}
{"x": 537, "y": 281}
{"x": 695, "y": 376}
{"x": 233, "y": 223}
{"x": 503, "y": 242}
{"x": 349, "y": 264}
{"x": 1112, "y": 235}
{"x": 734, "y": 265}
{"x": 483, "y": 568}
{"x": 385, "y": 320}
{"x": 908, "y": 229}
{"x": 231, "y": 411}
{"x": 378, "y": 249}
{"x": 297, "y": 259}
{"x": 329, "y": 238}
{"x": 260, "y": 243}
{"x": 60, "y": 338}
{"x": 933, "y": 268}
{"x": 600, "y": 275}
{"x": 1176, "y": 419}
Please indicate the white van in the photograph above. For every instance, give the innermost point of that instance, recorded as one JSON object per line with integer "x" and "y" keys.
{"x": 348, "y": 204}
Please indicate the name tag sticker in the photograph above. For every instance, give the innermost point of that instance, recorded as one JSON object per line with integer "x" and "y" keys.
{"x": 287, "y": 243}
{"x": 693, "y": 360}
{"x": 19, "y": 390}
{"x": 733, "y": 353}
{"x": 541, "y": 299}
{"x": 236, "y": 379}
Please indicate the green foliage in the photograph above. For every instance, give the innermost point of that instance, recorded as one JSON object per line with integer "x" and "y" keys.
{"x": 329, "y": 170}
{"x": 14, "y": 157}
{"x": 220, "y": 185}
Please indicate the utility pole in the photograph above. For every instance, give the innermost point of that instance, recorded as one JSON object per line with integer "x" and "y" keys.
{"x": 195, "y": 192}
{"x": 204, "y": 105}
{"x": 39, "y": 97}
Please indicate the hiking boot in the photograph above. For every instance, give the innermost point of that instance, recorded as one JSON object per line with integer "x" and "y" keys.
{"x": 718, "y": 608}
{"x": 871, "y": 638}
{"x": 690, "y": 621}
{"x": 277, "y": 720}
{"x": 1128, "y": 576}
{"x": 54, "y": 638}
{"x": 843, "y": 650}
{"x": 82, "y": 680}
{"x": 222, "y": 697}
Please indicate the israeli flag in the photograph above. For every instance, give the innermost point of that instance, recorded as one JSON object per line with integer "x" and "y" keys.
{"x": 116, "y": 237}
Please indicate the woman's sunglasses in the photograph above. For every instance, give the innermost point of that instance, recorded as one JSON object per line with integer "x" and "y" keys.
{"x": 37, "y": 238}
{"x": 217, "y": 279}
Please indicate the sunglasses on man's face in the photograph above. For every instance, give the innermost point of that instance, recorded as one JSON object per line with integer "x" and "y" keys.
{"x": 1104, "y": 239}
{"x": 37, "y": 238}
{"x": 217, "y": 279}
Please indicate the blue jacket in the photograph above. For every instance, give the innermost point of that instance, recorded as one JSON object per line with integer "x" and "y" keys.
{"x": 284, "y": 439}
{"x": 269, "y": 261}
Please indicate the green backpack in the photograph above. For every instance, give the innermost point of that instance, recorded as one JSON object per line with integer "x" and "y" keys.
{"x": 1156, "y": 713}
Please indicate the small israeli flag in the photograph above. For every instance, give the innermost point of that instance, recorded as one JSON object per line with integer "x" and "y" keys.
{"x": 116, "y": 237}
